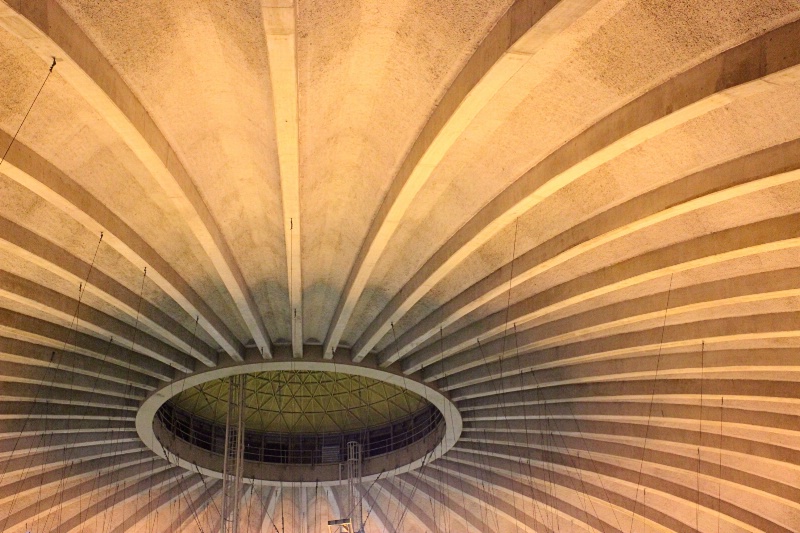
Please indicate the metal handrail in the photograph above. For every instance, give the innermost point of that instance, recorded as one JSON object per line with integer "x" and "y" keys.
{"x": 283, "y": 448}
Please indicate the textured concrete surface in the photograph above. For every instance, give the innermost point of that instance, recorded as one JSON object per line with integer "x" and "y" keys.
{"x": 579, "y": 218}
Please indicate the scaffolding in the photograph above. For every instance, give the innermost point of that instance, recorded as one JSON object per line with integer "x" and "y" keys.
{"x": 233, "y": 462}
{"x": 353, "y": 520}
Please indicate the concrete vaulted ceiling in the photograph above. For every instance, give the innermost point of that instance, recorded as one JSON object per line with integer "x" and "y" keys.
{"x": 579, "y": 218}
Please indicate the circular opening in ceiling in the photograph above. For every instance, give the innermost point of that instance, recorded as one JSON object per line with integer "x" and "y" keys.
{"x": 298, "y": 419}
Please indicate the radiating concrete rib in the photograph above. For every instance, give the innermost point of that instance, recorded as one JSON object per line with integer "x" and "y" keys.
{"x": 42, "y": 392}
{"x": 558, "y": 497}
{"x": 629, "y": 355}
{"x": 279, "y": 27}
{"x": 778, "y": 288}
{"x": 564, "y": 492}
{"x": 195, "y": 507}
{"x": 49, "y": 32}
{"x": 478, "y": 496}
{"x": 32, "y": 483}
{"x": 37, "y": 410}
{"x": 30, "y": 247}
{"x": 22, "y": 428}
{"x": 516, "y": 37}
{"x": 31, "y": 461}
{"x": 373, "y": 508}
{"x": 13, "y": 350}
{"x": 181, "y": 483}
{"x": 545, "y": 339}
{"x": 62, "y": 308}
{"x": 38, "y": 443}
{"x": 19, "y": 373}
{"x": 34, "y": 173}
{"x": 624, "y": 220}
{"x": 159, "y": 477}
{"x": 443, "y": 497}
{"x": 645, "y": 117}
{"x": 713, "y": 249}
{"x": 268, "y": 524}
{"x": 406, "y": 504}
{"x": 622, "y": 472}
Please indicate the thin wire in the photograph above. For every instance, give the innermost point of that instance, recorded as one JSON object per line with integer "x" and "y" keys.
{"x": 719, "y": 471}
{"x": 652, "y": 397}
{"x": 700, "y": 443}
{"x": 114, "y": 457}
{"x": 503, "y": 354}
{"x": 54, "y": 372}
{"x": 14, "y": 138}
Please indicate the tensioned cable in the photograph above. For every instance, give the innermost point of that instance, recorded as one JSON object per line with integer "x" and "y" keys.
{"x": 542, "y": 402}
{"x": 440, "y": 488}
{"x": 719, "y": 471}
{"x": 531, "y": 479}
{"x": 94, "y": 387}
{"x": 652, "y": 398}
{"x": 503, "y": 356}
{"x": 112, "y": 469}
{"x": 54, "y": 370}
{"x": 414, "y": 487}
{"x": 14, "y": 138}
{"x": 266, "y": 510}
{"x": 375, "y": 500}
{"x": 180, "y": 484}
{"x": 427, "y": 455}
{"x": 700, "y": 439}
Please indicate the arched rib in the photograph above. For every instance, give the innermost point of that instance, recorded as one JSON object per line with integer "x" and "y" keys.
{"x": 480, "y": 497}
{"x": 62, "y": 309}
{"x": 660, "y": 206}
{"x": 13, "y": 350}
{"x": 49, "y": 32}
{"x": 515, "y": 38}
{"x": 709, "y": 250}
{"x": 280, "y": 32}
{"x": 444, "y": 498}
{"x": 194, "y": 507}
{"x": 28, "y": 246}
{"x": 620, "y": 131}
{"x": 141, "y": 483}
{"x": 180, "y": 483}
{"x": 33, "y": 172}
{"x": 405, "y": 502}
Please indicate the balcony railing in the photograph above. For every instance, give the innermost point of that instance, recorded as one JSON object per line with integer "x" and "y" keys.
{"x": 310, "y": 449}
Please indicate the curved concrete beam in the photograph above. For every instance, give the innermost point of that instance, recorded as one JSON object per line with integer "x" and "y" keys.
{"x": 480, "y": 497}
{"x": 713, "y": 249}
{"x": 481, "y": 294}
{"x": 405, "y": 502}
{"x": 49, "y": 32}
{"x": 605, "y": 357}
{"x": 62, "y": 309}
{"x": 280, "y": 31}
{"x": 471, "y": 521}
{"x": 69, "y": 495}
{"x": 632, "y": 315}
{"x": 33, "y": 172}
{"x": 194, "y": 507}
{"x": 28, "y": 246}
{"x": 621, "y": 130}
{"x": 515, "y": 38}
{"x": 15, "y": 350}
{"x": 179, "y": 484}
